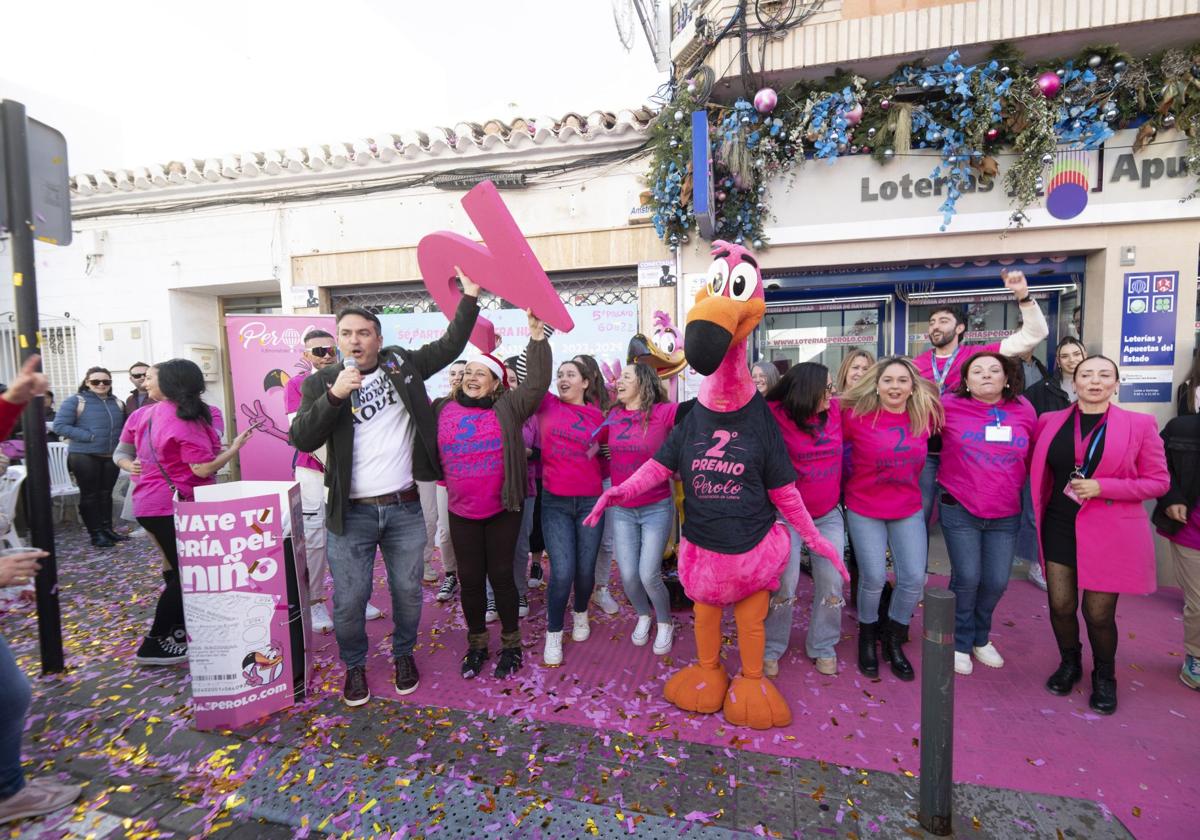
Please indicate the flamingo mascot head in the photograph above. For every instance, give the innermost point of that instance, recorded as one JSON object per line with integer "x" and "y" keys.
{"x": 726, "y": 312}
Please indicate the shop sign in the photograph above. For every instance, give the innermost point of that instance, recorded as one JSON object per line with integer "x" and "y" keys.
{"x": 1148, "y": 318}
{"x": 1146, "y": 386}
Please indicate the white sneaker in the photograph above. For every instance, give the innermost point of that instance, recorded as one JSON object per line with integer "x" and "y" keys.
{"x": 1036, "y": 576}
{"x": 580, "y": 631}
{"x": 321, "y": 622}
{"x": 373, "y": 612}
{"x": 430, "y": 575}
{"x": 492, "y": 614}
{"x": 665, "y": 637}
{"x": 962, "y": 663}
{"x": 989, "y": 656}
{"x": 553, "y": 652}
{"x": 522, "y": 606}
{"x": 139, "y": 532}
{"x": 604, "y": 600}
{"x": 641, "y": 633}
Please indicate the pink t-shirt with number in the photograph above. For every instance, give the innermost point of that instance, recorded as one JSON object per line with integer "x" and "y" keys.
{"x": 985, "y": 454}
{"x": 631, "y": 445}
{"x": 471, "y": 447}
{"x": 884, "y": 463}
{"x": 175, "y": 445}
{"x": 817, "y": 457}
{"x": 571, "y": 437}
{"x": 925, "y": 364}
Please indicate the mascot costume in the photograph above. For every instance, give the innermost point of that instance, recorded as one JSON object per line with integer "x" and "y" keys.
{"x": 727, "y": 452}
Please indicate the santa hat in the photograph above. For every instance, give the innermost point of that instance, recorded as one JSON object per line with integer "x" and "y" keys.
{"x": 491, "y": 363}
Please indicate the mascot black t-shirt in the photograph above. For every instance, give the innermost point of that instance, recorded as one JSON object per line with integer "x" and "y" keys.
{"x": 728, "y": 462}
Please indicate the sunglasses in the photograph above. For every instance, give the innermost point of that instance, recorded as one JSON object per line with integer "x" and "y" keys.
{"x": 322, "y": 352}
{"x": 137, "y": 376}
{"x": 99, "y": 382}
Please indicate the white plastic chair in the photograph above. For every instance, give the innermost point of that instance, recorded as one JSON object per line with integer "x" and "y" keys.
{"x": 62, "y": 487}
{"x": 10, "y": 491}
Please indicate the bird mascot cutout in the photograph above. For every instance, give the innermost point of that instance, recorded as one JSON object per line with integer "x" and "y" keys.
{"x": 728, "y": 453}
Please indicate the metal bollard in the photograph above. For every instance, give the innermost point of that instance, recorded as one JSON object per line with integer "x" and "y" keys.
{"x": 937, "y": 713}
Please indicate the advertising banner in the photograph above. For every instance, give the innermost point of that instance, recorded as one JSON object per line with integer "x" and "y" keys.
{"x": 242, "y": 568}
{"x": 600, "y": 331}
{"x": 1149, "y": 301}
{"x": 264, "y": 353}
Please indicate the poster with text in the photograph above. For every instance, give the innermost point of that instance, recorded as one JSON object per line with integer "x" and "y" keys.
{"x": 600, "y": 331}
{"x": 1148, "y": 316}
{"x": 264, "y": 353}
{"x": 241, "y": 607}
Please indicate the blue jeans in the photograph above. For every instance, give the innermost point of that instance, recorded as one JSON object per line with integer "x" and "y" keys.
{"x": 825, "y": 622}
{"x": 981, "y": 558}
{"x": 640, "y": 536}
{"x": 910, "y": 548}
{"x": 1026, "y": 545}
{"x": 399, "y": 532}
{"x": 15, "y": 695}
{"x": 929, "y": 486}
{"x": 521, "y": 555}
{"x": 572, "y": 547}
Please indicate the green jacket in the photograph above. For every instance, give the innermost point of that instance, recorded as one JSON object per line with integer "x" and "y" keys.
{"x": 321, "y": 423}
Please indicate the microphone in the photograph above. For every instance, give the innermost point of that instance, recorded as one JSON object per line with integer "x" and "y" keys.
{"x": 350, "y": 363}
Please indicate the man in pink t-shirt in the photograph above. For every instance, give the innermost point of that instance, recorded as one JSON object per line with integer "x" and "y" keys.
{"x": 320, "y": 350}
{"x": 942, "y": 363}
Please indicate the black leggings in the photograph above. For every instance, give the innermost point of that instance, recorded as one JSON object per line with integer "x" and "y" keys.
{"x": 96, "y": 475}
{"x": 168, "y": 614}
{"x": 485, "y": 548}
{"x": 1099, "y": 613}
{"x": 537, "y": 543}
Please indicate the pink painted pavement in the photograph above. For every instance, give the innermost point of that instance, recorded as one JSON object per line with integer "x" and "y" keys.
{"x": 1141, "y": 763}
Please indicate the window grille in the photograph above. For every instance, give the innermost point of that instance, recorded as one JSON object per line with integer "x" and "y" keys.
{"x": 60, "y": 361}
{"x": 592, "y": 288}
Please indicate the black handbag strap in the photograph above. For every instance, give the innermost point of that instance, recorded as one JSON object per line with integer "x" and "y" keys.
{"x": 157, "y": 463}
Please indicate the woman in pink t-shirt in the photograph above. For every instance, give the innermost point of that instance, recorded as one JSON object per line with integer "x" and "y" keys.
{"x": 886, "y": 422}
{"x": 482, "y": 453}
{"x": 810, "y": 419}
{"x": 571, "y": 434}
{"x": 169, "y": 448}
{"x": 637, "y": 427}
{"x": 986, "y": 443}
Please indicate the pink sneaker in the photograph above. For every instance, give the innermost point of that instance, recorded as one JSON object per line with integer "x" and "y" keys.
{"x": 38, "y": 797}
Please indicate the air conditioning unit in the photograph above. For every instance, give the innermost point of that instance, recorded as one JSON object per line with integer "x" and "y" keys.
{"x": 689, "y": 32}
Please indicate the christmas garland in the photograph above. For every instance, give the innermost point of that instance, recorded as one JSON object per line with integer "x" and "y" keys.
{"x": 965, "y": 112}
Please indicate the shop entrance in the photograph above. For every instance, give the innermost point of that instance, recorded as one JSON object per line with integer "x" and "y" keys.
{"x": 821, "y": 315}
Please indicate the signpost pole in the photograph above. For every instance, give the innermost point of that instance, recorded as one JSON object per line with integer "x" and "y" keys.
{"x": 37, "y": 482}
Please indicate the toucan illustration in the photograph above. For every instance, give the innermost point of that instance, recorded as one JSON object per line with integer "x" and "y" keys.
{"x": 276, "y": 378}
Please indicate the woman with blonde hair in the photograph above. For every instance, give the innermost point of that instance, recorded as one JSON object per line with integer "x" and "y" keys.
{"x": 887, "y": 419}
{"x": 852, "y": 369}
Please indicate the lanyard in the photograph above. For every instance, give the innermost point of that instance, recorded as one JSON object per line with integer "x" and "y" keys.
{"x": 939, "y": 377}
{"x": 1085, "y": 466}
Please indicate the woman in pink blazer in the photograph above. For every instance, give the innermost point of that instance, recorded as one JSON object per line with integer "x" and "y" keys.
{"x": 1094, "y": 464}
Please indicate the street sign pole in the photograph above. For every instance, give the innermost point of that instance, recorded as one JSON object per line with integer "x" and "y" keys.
{"x": 37, "y": 482}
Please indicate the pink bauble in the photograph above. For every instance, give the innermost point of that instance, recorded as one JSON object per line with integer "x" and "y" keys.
{"x": 765, "y": 101}
{"x": 992, "y": 134}
{"x": 721, "y": 195}
{"x": 855, "y": 114}
{"x": 1049, "y": 84}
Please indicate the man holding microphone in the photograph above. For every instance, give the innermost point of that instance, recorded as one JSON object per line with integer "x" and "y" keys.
{"x": 372, "y": 415}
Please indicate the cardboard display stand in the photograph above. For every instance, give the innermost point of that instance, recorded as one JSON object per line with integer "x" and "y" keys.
{"x": 245, "y": 600}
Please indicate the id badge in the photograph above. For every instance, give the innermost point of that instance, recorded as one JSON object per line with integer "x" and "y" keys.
{"x": 998, "y": 434}
{"x": 1069, "y": 492}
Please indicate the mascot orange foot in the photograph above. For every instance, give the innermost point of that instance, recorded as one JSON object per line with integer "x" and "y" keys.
{"x": 750, "y": 699}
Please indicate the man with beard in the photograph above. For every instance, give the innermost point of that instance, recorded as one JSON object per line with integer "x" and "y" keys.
{"x": 942, "y": 363}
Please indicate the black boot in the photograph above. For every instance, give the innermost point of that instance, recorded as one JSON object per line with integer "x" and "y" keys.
{"x": 101, "y": 540}
{"x": 1070, "y": 671}
{"x": 1104, "y": 688}
{"x": 868, "y": 662}
{"x": 113, "y": 535}
{"x": 892, "y": 644}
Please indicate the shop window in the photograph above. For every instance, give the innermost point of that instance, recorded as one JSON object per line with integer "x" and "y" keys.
{"x": 990, "y": 318}
{"x": 822, "y": 332}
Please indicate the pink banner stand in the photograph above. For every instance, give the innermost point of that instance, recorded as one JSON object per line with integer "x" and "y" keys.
{"x": 245, "y": 600}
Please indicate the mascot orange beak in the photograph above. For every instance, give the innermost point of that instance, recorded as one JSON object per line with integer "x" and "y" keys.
{"x": 715, "y": 324}
{"x": 642, "y": 349}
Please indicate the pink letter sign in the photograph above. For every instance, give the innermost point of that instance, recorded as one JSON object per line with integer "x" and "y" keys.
{"x": 504, "y": 265}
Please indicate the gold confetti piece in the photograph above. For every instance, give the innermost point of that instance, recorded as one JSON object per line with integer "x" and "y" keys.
{"x": 1137, "y": 812}
{"x": 368, "y": 806}
{"x": 124, "y": 789}
{"x": 591, "y": 827}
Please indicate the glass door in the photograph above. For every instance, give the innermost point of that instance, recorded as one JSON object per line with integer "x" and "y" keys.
{"x": 823, "y": 331}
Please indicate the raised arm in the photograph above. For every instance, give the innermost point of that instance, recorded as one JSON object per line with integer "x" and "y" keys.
{"x": 442, "y": 352}
{"x": 534, "y": 385}
{"x": 1033, "y": 322}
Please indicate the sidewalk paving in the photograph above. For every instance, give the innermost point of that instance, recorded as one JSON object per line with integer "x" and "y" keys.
{"x": 415, "y": 769}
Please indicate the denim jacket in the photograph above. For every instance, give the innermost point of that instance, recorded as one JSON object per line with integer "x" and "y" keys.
{"x": 97, "y": 429}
